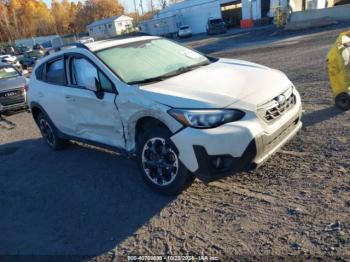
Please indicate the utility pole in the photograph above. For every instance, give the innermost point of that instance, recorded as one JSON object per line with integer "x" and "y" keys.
{"x": 141, "y": 6}
{"x": 152, "y": 6}
{"x": 136, "y": 12}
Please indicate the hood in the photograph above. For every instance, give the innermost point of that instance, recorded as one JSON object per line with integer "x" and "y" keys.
{"x": 12, "y": 83}
{"x": 219, "y": 85}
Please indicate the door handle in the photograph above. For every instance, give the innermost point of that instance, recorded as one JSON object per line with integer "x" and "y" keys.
{"x": 69, "y": 98}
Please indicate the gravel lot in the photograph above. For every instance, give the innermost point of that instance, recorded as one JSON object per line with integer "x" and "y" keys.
{"x": 88, "y": 201}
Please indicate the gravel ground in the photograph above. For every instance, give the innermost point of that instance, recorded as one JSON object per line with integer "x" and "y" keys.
{"x": 88, "y": 201}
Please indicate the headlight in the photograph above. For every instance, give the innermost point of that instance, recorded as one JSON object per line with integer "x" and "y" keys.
{"x": 206, "y": 118}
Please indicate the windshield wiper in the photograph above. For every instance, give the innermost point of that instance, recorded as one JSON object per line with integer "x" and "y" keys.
{"x": 185, "y": 69}
{"x": 176, "y": 72}
{"x": 147, "y": 80}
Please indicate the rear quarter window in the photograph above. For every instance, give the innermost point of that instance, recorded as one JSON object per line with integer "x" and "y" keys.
{"x": 55, "y": 72}
{"x": 39, "y": 72}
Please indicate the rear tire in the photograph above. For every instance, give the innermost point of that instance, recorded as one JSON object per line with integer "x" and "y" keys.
{"x": 342, "y": 101}
{"x": 49, "y": 133}
{"x": 159, "y": 163}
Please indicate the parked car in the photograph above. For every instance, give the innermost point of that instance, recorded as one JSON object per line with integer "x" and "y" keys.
{"x": 12, "y": 88}
{"x": 38, "y": 47}
{"x": 29, "y": 58}
{"x": 185, "y": 31}
{"x": 12, "y": 60}
{"x": 21, "y": 49}
{"x": 86, "y": 40}
{"x": 216, "y": 26}
{"x": 8, "y": 58}
{"x": 183, "y": 114}
{"x": 9, "y": 50}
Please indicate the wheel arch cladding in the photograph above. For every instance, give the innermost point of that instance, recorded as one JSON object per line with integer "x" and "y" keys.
{"x": 36, "y": 109}
{"x": 148, "y": 117}
{"x": 146, "y": 122}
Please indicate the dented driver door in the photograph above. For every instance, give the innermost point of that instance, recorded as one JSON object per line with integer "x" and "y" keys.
{"x": 94, "y": 114}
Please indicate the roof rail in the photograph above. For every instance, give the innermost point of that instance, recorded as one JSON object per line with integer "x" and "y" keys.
{"x": 59, "y": 48}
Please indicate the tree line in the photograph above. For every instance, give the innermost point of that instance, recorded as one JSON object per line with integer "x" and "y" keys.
{"x": 29, "y": 18}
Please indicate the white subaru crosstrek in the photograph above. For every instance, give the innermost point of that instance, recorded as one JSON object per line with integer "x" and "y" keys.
{"x": 183, "y": 114}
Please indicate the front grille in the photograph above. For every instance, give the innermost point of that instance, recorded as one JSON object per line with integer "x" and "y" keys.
{"x": 12, "y": 97}
{"x": 275, "y": 108}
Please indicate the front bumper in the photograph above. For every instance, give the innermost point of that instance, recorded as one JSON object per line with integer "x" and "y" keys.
{"x": 213, "y": 153}
{"x": 185, "y": 34}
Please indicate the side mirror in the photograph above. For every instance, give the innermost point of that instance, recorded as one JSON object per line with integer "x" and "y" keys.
{"x": 91, "y": 84}
{"x": 94, "y": 85}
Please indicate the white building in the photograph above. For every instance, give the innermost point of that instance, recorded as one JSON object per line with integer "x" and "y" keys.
{"x": 301, "y": 5}
{"x": 195, "y": 13}
{"x": 110, "y": 27}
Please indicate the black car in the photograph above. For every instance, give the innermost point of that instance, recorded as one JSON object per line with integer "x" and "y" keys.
{"x": 12, "y": 88}
{"x": 216, "y": 26}
{"x": 21, "y": 49}
{"x": 29, "y": 58}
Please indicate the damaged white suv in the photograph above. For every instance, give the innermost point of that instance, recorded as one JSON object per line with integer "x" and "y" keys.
{"x": 183, "y": 114}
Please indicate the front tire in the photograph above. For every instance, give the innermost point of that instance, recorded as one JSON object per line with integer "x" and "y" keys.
{"x": 342, "y": 101}
{"x": 159, "y": 163}
{"x": 49, "y": 133}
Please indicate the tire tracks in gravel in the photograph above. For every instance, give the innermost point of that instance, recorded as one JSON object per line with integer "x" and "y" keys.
{"x": 261, "y": 196}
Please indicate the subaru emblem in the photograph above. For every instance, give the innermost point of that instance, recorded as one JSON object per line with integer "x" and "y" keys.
{"x": 281, "y": 99}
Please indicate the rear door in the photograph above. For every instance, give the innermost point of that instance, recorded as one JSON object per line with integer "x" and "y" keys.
{"x": 94, "y": 115}
{"x": 51, "y": 93}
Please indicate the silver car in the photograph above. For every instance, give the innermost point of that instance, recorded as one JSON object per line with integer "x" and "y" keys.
{"x": 12, "y": 88}
{"x": 185, "y": 31}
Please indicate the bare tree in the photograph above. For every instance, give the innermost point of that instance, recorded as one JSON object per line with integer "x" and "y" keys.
{"x": 141, "y": 6}
{"x": 150, "y": 6}
{"x": 136, "y": 12}
{"x": 163, "y": 3}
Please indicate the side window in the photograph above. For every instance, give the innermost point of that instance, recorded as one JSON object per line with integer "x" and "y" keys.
{"x": 55, "y": 72}
{"x": 82, "y": 70}
{"x": 39, "y": 72}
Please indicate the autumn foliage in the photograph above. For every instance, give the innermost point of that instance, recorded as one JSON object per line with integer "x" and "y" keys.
{"x": 28, "y": 18}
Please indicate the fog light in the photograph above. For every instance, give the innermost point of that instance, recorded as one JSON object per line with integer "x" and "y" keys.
{"x": 222, "y": 163}
{"x": 217, "y": 162}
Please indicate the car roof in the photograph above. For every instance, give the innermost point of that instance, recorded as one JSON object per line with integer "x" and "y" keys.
{"x": 104, "y": 44}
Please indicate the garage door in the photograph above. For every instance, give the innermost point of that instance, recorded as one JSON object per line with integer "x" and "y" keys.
{"x": 231, "y": 13}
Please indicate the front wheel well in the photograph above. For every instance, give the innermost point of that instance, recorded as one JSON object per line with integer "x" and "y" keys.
{"x": 35, "y": 112}
{"x": 147, "y": 122}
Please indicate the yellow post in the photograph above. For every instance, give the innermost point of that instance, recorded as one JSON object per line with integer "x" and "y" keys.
{"x": 338, "y": 63}
{"x": 280, "y": 17}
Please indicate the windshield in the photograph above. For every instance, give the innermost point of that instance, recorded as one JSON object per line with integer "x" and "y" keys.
{"x": 145, "y": 60}
{"x": 184, "y": 27}
{"x": 7, "y": 72}
{"x": 215, "y": 21}
{"x": 35, "y": 54}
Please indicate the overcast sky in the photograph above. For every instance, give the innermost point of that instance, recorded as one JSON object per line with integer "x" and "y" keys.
{"x": 128, "y": 4}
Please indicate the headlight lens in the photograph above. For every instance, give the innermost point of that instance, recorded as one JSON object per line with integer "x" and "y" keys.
{"x": 206, "y": 118}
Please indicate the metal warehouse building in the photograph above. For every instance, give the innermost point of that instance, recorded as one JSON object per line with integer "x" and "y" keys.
{"x": 195, "y": 13}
